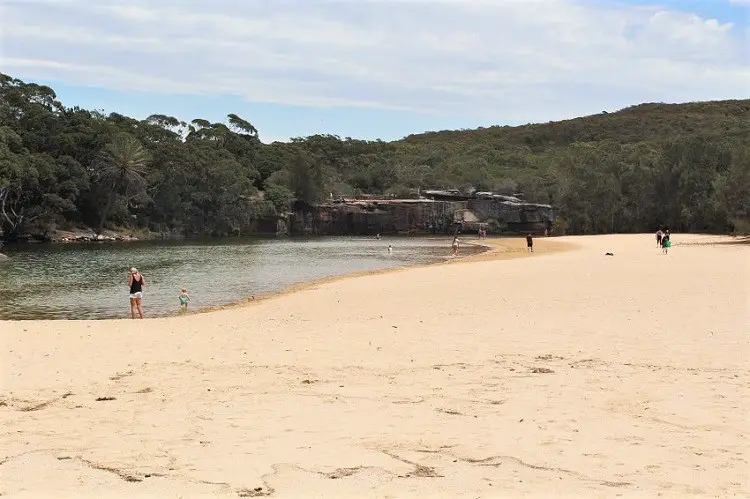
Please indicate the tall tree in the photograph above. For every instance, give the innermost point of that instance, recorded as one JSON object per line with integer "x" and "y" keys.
{"x": 121, "y": 170}
{"x": 242, "y": 125}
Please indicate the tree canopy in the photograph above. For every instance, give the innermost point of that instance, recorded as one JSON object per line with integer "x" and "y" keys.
{"x": 682, "y": 165}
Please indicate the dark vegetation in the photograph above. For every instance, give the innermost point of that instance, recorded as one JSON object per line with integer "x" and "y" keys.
{"x": 686, "y": 166}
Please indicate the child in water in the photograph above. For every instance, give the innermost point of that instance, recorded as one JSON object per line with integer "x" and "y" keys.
{"x": 184, "y": 298}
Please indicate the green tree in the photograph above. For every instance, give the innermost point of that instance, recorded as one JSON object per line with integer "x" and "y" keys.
{"x": 121, "y": 168}
{"x": 280, "y": 197}
{"x": 242, "y": 125}
{"x": 307, "y": 179}
{"x": 732, "y": 191}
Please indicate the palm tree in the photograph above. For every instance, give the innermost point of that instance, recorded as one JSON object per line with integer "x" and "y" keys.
{"x": 122, "y": 168}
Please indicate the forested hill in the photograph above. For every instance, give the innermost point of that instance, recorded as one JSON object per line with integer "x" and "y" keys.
{"x": 686, "y": 166}
{"x": 639, "y": 123}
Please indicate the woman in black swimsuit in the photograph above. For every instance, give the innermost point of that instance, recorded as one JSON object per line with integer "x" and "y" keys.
{"x": 136, "y": 283}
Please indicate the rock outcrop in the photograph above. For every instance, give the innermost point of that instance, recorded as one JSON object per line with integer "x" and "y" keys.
{"x": 436, "y": 212}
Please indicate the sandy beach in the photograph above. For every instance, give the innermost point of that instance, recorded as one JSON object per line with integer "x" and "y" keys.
{"x": 565, "y": 373}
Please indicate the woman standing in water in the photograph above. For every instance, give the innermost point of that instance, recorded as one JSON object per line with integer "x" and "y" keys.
{"x": 136, "y": 283}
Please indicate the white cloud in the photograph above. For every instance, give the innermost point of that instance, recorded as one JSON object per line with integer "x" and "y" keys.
{"x": 504, "y": 60}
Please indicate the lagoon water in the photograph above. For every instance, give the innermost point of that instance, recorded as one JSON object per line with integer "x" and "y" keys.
{"x": 89, "y": 281}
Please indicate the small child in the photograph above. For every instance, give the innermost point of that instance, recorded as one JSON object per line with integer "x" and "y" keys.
{"x": 666, "y": 244}
{"x": 184, "y": 298}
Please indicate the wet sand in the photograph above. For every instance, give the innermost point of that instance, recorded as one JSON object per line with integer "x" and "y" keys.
{"x": 565, "y": 373}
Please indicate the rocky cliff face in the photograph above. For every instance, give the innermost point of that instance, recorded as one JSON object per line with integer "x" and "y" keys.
{"x": 514, "y": 212}
{"x": 440, "y": 213}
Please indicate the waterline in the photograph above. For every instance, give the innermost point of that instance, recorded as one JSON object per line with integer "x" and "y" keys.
{"x": 89, "y": 281}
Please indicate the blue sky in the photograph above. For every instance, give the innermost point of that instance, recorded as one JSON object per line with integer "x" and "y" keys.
{"x": 378, "y": 68}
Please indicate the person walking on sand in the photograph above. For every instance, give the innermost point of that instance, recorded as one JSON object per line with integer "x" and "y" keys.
{"x": 659, "y": 236}
{"x": 455, "y": 245}
{"x": 529, "y": 243}
{"x": 666, "y": 243}
{"x": 136, "y": 283}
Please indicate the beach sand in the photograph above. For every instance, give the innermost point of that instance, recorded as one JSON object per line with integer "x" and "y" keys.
{"x": 563, "y": 373}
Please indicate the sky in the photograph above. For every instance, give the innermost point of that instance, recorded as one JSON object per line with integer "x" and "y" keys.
{"x": 377, "y": 68}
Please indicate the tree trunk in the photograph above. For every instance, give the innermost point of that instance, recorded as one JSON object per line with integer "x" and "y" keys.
{"x": 105, "y": 212}
{"x": 110, "y": 202}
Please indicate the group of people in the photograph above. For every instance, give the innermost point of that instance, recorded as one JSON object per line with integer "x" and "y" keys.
{"x": 136, "y": 282}
{"x": 529, "y": 243}
{"x": 663, "y": 240}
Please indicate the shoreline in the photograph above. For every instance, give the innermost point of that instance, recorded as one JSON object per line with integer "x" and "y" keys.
{"x": 112, "y": 237}
{"x": 491, "y": 252}
{"x": 492, "y": 248}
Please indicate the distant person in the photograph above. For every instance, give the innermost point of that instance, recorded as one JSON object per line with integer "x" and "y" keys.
{"x": 390, "y": 249}
{"x": 136, "y": 283}
{"x": 666, "y": 243}
{"x": 455, "y": 245}
{"x": 377, "y": 236}
{"x": 659, "y": 236}
{"x": 184, "y": 299}
{"x": 529, "y": 243}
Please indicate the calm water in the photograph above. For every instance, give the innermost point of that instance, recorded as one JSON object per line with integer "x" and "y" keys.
{"x": 79, "y": 281}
